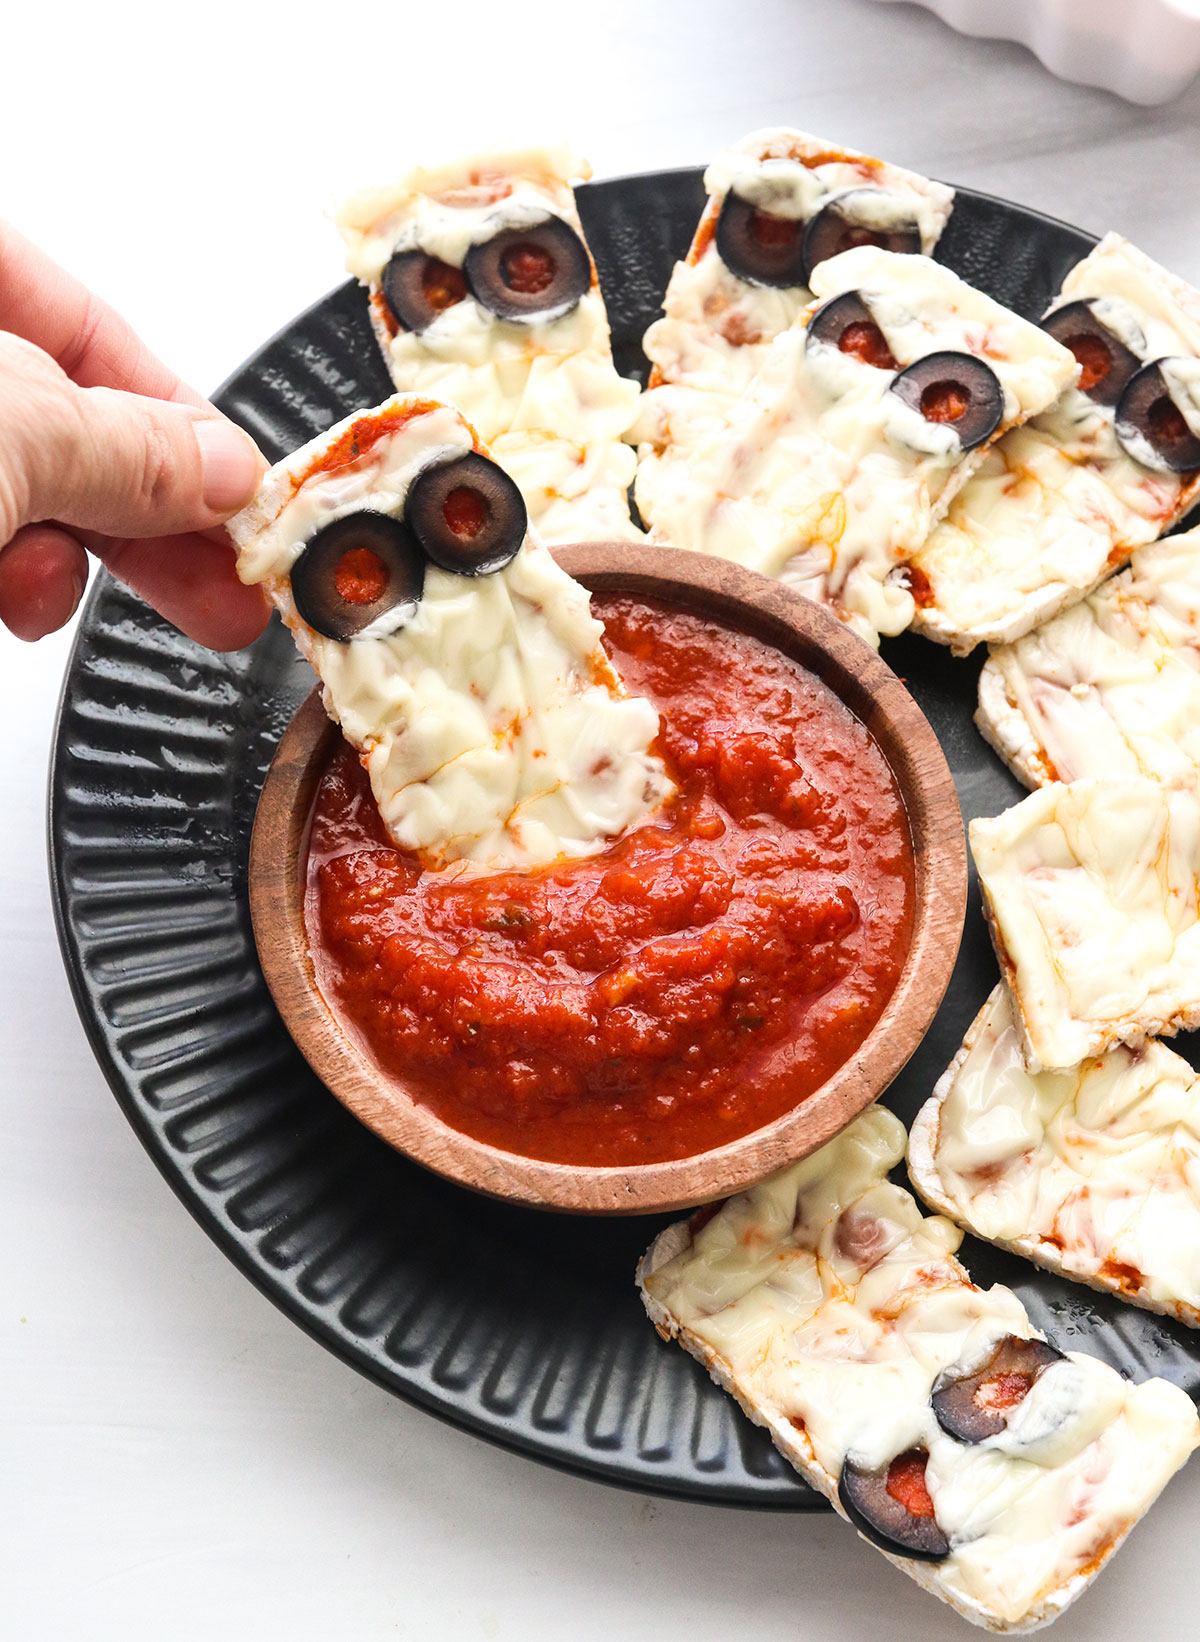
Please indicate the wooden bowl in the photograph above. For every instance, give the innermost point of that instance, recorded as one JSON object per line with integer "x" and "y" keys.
{"x": 749, "y": 603}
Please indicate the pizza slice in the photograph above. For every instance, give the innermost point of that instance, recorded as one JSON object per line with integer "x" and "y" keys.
{"x": 1092, "y": 894}
{"x": 1115, "y": 462}
{"x": 995, "y": 1471}
{"x": 455, "y": 654}
{"x": 1110, "y": 686}
{"x": 863, "y": 419}
{"x": 779, "y": 202}
{"x": 482, "y": 292}
{"x": 1091, "y": 1172}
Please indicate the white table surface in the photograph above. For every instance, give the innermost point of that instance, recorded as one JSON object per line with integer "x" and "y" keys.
{"x": 177, "y": 1461}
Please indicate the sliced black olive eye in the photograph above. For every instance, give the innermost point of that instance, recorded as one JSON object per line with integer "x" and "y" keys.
{"x": 852, "y": 219}
{"x": 1106, "y": 364}
{"x": 846, "y": 323}
{"x": 365, "y": 570}
{"x": 892, "y": 1506}
{"x": 418, "y": 288}
{"x": 1152, "y": 428}
{"x": 978, "y": 1405}
{"x": 536, "y": 273}
{"x": 467, "y": 514}
{"x": 758, "y": 246}
{"x": 955, "y": 389}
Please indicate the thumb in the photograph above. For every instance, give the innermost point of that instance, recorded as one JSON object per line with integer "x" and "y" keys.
{"x": 128, "y": 466}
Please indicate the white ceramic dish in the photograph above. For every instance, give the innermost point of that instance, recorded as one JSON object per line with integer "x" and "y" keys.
{"x": 1145, "y": 50}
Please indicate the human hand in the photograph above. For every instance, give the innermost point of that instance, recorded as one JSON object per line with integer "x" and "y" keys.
{"x": 103, "y": 449}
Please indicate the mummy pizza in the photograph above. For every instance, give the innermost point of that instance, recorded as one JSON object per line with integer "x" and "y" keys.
{"x": 1092, "y": 892}
{"x": 1094, "y": 1172}
{"x": 1061, "y": 502}
{"x": 455, "y": 654}
{"x": 996, "y": 1471}
{"x": 863, "y": 419}
{"x": 1110, "y": 686}
{"x": 779, "y": 203}
{"x": 482, "y": 292}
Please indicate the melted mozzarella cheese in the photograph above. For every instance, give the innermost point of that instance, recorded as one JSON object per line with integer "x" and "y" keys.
{"x": 492, "y": 725}
{"x": 829, "y": 1305}
{"x": 546, "y": 396}
{"x": 819, "y": 474}
{"x": 1093, "y": 895}
{"x": 1059, "y": 503}
{"x": 1094, "y": 1172}
{"x": 1112, "y": 685}
{"x": 716, "y": 326}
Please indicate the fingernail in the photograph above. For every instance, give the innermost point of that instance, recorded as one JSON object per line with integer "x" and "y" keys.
{"x": 231, "y": 464}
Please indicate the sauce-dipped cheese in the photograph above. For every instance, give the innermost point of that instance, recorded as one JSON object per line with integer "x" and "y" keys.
{"x": 1062, "y": 501}
{"x": 491, "y": 724}
{"x": 831, "y": 468}
{"x": 835, "y": 1311}
{"x": 541, "y": 389}
{"x": 1092, "y": 892}
{"x": 1110, "y": 686}
{"x": 1094, "y": 1172}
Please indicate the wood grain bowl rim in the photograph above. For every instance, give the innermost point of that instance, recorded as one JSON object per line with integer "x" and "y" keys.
{"x": 746, "y": 602}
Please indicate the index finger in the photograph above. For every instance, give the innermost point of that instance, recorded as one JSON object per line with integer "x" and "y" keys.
{"x": 50, "y": 308}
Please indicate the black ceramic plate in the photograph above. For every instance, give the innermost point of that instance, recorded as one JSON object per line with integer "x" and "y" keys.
{"x": 522, "y": 1327}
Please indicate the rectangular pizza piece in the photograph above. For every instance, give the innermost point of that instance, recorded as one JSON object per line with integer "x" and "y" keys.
{"x": 863, "y": 419}
{"x": 1092, "y": 894}
{"x": 776, "y": 200}
{"x": 996, "y": 1472}
{"x": 482, "y": 292}
{"x": 1110, "y": 686}
{"x": 1093, "y": 1172}
{"x": 492, "y": 725}
{"x": 1064, "y": 500}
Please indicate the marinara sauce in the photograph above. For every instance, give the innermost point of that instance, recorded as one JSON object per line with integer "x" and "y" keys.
{"x": 691, "y": 982}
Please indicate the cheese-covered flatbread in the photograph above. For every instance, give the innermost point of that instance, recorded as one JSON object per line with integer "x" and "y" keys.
{"x": 1092, "y": 893}
{"x": 1110, "y": 686}
{"x": 1093, "y": 1172}
{"x": 541, "y": 389}
{"x": 837, "y": 1315}
{"x": 831, "y": 468}
{"x": 1061, "y": 502}
{"x": 490, "y": 721}
{"x": 717, "y": 323}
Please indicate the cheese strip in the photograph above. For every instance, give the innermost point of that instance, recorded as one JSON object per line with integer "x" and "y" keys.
{"x": 1094, "y": 1172}
{"x": 545, "y": 396}
{"x": 1112, "y": 685}
{"x": 492, "y": 726}
{"x": 819, "y": 474}
{"x": 716, "y": 327}
{"x": 828, "y": 1305}
{"x": 1091, "y": 894}
{"x": 1059, "y": 503}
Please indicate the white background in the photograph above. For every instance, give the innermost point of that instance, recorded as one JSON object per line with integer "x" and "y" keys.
{"x": 178, "y": 1462}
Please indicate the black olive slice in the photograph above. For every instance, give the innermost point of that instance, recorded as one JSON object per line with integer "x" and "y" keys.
{"x": 954, "y": 389}
{"x": 536, "y": 273}
{"x": 467, "y": 514}
{"x": 1106, "y": 364}
{"x": 418, "y": 288}
{"x": 846, "y": 221}
{"x": 362, "y": 569}
{"x": 978, "y": 1405}
{"x": 846, "y": 323}
{"x": 758, "y": 246}
{"x": 892, "y": 1506}
{"x": 1152, "y": 428}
